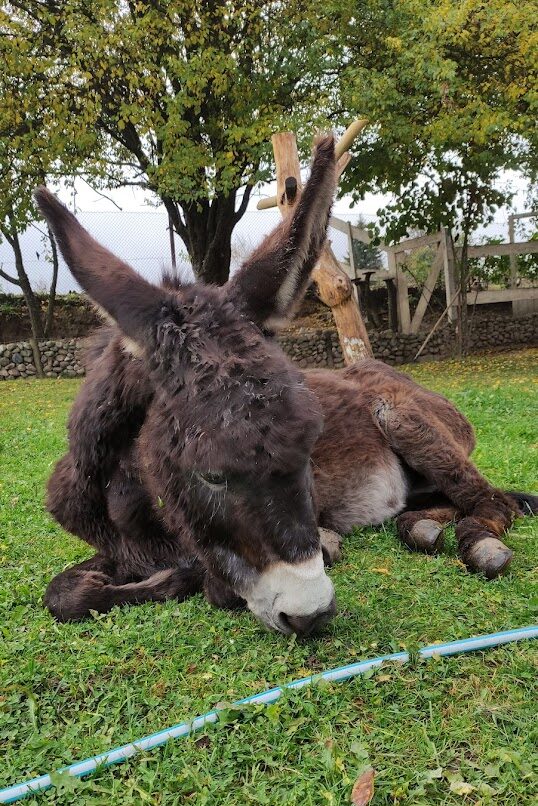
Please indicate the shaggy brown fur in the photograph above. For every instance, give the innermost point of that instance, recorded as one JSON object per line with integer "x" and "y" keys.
{"x": 208, "y": 458}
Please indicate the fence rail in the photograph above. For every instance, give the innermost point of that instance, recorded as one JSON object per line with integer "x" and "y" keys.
{"x": 524, "y": 300}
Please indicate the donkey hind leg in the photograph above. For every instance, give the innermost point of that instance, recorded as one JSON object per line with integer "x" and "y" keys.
{"x": 423, "y": 529}
{"x": 93, "y": 585}
{"x": 428, "y": 446}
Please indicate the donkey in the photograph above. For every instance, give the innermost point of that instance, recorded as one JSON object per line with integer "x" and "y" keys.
{"x": 201, "y": 459}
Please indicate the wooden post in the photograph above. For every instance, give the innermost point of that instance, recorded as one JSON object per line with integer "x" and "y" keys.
{"x": 392, "y": 304}
{"x": 450, "y": 280}
{"x": 402, "y": 293}
{"x": 513, "y": 257}
{"x": 342, "y": 156}
{"x": 172, "y": 247}
{"x": 350, "y": 247}
{"x": 334, "y": 286}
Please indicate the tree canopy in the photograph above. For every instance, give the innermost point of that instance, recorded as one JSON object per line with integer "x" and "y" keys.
{"x": 32, "y": 147}
{"x": 452, "y": 90}
{"x": 179, "y": 97}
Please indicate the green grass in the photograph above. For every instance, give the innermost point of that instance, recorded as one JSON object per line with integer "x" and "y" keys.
{"x": 441, "y": 732}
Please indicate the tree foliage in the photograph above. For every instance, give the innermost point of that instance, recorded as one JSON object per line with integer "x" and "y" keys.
{"x": 31, "y": 146}
{"x": 179, "y": 97}
{"x": 452, "y": 90}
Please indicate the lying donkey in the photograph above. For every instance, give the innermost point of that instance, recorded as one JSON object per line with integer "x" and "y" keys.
{"x": 200, "y": 458}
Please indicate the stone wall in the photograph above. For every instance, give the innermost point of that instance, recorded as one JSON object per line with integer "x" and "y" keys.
{"x": 320, "y": 348}
{"x": 307, "y": 347}
{"x": 60, "y": 359}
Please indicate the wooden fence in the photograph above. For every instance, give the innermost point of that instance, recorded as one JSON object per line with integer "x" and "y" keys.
{"x": 524, "y": 300}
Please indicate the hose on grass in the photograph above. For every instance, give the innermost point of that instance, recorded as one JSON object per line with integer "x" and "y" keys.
{"x": 119, "y": 754}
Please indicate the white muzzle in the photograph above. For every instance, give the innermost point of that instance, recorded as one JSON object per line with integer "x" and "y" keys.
{"x": 286, "y": 594}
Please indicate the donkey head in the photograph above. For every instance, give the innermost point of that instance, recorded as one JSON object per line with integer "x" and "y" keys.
{"x": 225, "y": 448}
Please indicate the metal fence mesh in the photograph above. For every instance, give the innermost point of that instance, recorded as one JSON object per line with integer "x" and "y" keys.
{"x": 142, "y": 239}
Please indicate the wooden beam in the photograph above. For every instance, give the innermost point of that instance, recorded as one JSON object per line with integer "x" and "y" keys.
{"x": 501, "y": 295}
{"x": 402, "y": 294}
{"x": 415, "y": 243}
{"x": 334, "y": 286}
{"x": 341, "y": 148}
{"x": 350, "y": 134}
{"x": 531, "y": 214}
{"x": 348, "y": 229}
{"x": 266, "y": 204}
{"x": 337, "y": 223}
{"x": 351, "y": 253}
{"x": 427, "y": 292}
{"x": 517, "y": 248}
{"x": 450, "y": 279}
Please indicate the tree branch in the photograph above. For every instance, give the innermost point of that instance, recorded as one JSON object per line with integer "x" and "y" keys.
{"x": 7, "y": 277}
{"x": 103, "y": 195}
{"x": 241, "y": 210}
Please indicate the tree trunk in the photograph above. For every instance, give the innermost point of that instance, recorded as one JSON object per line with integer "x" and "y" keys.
{"x": 210, "y": 236}
{"x": 206, "y": 230}
{"x": 30, "y": 298}
{"x": 52, "y": 290}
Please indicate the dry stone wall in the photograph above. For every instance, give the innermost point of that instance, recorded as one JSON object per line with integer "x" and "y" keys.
{"x": 307, "y": 347}
{"x": 320, "y": 348}
{"x": 60, "y": 359}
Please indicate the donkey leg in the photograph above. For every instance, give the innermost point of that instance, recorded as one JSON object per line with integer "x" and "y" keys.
{"x": 331, "y": 545}
{"x": 423, "y": 529}
{"x": 92, "y": 585}
{"x": 428, "y": 446}
{"x": 65, "y": 593}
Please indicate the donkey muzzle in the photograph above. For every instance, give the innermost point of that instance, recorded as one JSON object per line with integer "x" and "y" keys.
{"x": 293, "y": 597}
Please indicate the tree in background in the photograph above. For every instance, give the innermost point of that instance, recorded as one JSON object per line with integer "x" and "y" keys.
{"x": 451, "y": 90}
{"x": 365, "y": 255}
{"x": 29, "y": 150}
{"x": 180, "y": 97}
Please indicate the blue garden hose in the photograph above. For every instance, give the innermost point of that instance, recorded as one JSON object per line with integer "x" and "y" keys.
{"x": 81, "y": 768}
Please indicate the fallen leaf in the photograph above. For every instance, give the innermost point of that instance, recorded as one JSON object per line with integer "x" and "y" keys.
{"x": 381, "y": 571}
{"x": 363, "y": 788}
{"x": 461, "y": 787}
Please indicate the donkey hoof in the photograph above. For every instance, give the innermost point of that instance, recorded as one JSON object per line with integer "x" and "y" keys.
{"x": 489, "y": 556}
{"x": 425, "y": 535}
{"x": 331, "y": 546}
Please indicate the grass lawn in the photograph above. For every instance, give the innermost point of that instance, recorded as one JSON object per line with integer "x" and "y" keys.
{"x": 447, "y": 731}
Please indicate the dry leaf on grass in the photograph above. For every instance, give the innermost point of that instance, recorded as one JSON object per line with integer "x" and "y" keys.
{"x": 363, "y": 788}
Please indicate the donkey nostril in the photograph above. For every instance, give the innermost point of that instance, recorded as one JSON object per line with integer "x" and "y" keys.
{"x": 284, "y": 620}
{"x": 305, "y": 625}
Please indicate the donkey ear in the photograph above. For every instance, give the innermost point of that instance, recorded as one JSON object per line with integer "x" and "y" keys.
{"x": 116, "y": 288}
{"x": 272, "y": 281}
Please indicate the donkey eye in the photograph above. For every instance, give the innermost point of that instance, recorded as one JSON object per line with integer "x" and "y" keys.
{"x": 213, "y": 479}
